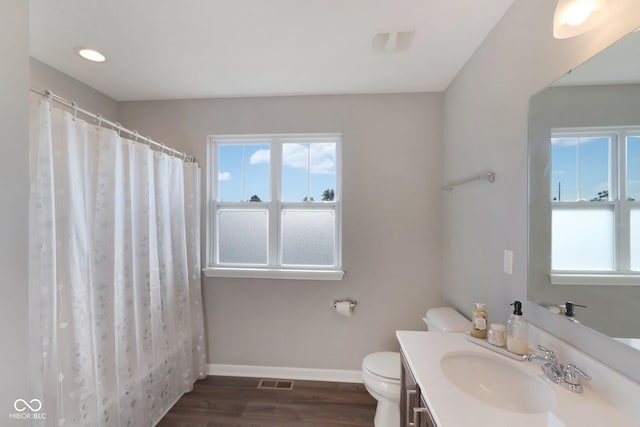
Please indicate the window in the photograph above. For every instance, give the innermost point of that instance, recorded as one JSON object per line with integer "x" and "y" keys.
{"x": 274, "y": 206}
{"x": 595, "y": 199}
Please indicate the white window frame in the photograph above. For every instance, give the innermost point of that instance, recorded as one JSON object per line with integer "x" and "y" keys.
{"x": 274, "y": 268}
{"x": 622, "y": 275}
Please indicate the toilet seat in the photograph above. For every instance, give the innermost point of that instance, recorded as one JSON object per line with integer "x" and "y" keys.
{"x": 381, "y": 378}
{"x": 385, "y": 365}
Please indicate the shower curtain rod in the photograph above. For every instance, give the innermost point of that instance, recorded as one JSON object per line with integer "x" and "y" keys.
{"x": 114, "y": 125}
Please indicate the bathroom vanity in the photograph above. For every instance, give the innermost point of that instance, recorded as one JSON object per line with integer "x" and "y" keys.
{"x": 449, "y": 381}
{"x": 414, "y": 411}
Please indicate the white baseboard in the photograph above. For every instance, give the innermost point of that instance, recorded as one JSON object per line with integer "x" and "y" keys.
{"x": 333, "y": 375}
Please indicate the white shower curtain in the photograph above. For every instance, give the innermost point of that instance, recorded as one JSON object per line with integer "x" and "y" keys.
{"x": 115, "y": 301}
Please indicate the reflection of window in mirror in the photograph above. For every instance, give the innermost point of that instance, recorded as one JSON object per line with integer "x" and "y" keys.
{"x": 595, "y": 198}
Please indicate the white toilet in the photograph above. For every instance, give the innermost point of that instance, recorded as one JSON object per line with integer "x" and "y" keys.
{"x": 381, "y": 371}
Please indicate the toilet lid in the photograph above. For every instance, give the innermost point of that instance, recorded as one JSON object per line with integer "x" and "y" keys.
{"x": 385, "y": 364}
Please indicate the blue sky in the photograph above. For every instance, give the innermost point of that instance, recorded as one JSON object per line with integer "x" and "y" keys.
{"x": 593, "y": 158}
{"x": 592, "y": 175}
{"x": 308, "y": 170}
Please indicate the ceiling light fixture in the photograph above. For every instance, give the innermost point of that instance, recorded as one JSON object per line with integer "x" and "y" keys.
{"x": 90, "y": 54}
{"x": 574, "y": 17}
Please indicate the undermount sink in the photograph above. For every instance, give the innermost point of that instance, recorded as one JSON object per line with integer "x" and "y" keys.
{"x": 497, "y": 383}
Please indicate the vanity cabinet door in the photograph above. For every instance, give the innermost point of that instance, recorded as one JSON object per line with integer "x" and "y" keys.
{"x": 410, "y": 394}
{"x": 425, "y": 418}
{"x": 413, "y": 408}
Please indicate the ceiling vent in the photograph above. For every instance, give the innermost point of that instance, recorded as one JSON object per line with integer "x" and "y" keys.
{"x": 392, "y": 41}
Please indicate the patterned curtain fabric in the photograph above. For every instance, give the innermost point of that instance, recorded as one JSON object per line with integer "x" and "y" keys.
{"x": 116, "y": 320}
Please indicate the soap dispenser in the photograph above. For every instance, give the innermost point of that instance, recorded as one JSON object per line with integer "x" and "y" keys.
{"x": 570, "y": 313}
{"x": 517, "y": 331}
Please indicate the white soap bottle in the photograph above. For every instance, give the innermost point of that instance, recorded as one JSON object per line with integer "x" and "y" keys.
{"x": 517, "y": 331}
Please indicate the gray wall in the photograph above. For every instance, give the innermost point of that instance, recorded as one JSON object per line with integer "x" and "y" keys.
{"x": 391, "y": 226}
{"x": 45, "y": 77}
{"x": 14, "y": 187}
{"x": 485, "y": 112}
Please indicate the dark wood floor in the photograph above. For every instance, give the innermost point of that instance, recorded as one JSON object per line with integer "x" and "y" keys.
{"x": 232, "y": 401}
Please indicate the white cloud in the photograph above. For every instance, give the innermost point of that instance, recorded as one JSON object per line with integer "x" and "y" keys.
{"x": 596, "y": 139}
{"x": 564, "y": 142}
{"x": 260, "y": 156}
{"x": 294, "y": 155}
{"x": 322, "y": 157}
{"x": 572, "y": 140}
{"x": 224, "y": 176}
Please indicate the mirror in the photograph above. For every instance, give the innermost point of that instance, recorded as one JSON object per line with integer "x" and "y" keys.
{"x": 584, "y": 193}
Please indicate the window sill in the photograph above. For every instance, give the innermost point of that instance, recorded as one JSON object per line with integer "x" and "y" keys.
{"x": 273, "y": 273}
{"x": 595, "y": 279}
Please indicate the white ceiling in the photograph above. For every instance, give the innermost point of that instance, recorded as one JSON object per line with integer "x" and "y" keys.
{"x": 168, "y": 49}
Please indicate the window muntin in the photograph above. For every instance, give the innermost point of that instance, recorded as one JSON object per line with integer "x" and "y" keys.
{"x": 275, "y": 202}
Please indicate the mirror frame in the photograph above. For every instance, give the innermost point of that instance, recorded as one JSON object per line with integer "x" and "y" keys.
{"x": 612, "y": 353}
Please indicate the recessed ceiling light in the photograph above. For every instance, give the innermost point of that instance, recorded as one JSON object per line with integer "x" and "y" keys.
{"x": 90, "y": 54}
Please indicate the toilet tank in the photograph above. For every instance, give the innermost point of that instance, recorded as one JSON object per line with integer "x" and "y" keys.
{"x": 446, "y": 319}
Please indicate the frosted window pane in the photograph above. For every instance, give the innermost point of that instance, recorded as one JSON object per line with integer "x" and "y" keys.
{"x": 635, "y": 239}
{"x": 633, "y": 168}
{"x": 564, "y": 167}
{"x": 308, "y": 237}
{"x": 582, "y": 239}
{"x": 242, "y": 236}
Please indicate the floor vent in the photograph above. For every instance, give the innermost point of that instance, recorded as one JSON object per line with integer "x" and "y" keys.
{"x": 275, "y": 384}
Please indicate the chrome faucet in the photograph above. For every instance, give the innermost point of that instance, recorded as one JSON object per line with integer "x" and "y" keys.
{"x": 569, "y": 377}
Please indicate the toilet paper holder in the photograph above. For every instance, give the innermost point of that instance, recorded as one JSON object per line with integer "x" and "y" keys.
{"x": 352, "y": 303}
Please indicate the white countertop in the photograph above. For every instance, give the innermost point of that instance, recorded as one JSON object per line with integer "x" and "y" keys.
{"x": 451, "y": 407}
